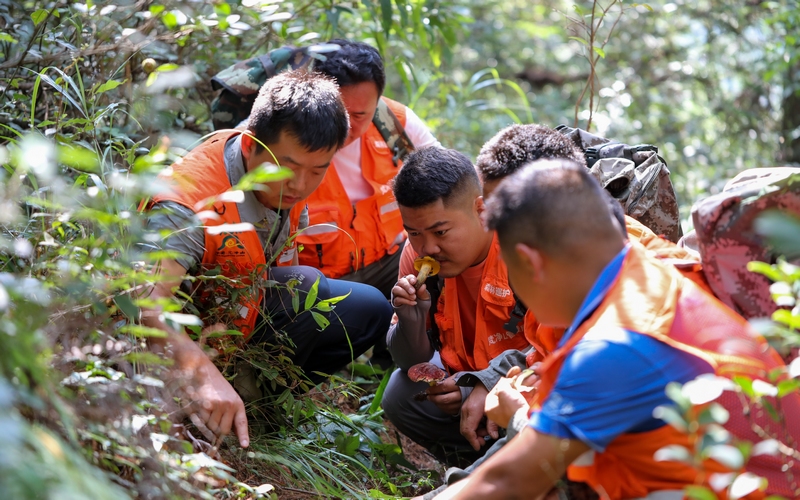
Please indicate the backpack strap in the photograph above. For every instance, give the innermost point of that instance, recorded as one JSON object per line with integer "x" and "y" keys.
{"x": 392, "y": 132}
{"x": 517, "y": 315}
{"x": 434, "y": 285}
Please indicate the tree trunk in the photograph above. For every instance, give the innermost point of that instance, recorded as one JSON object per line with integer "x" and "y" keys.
{"x": 790, "y": 126}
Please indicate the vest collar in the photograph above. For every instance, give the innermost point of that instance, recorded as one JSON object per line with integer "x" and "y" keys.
{"x": 597, "y": 293}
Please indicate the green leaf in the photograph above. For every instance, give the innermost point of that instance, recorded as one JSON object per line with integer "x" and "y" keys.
{"x": 170, "y": 20}
{"x": 376, "y": 401}
{"x": 746, "y": 384}
{"x": 579, "y": 39}
{"x": 5, "y": 37}
{"x": 39, "y": 16}
{"x": 295, "y": 302}
{"x": 127, "y": 306}
{"x": 727, "y": 455}
{"x": 311, "y": 297}
{"x": 673, "y": 453}
{"x": 321, "y": 320}
{"x": 699, "y": 493}
{"x": 781, "y": 230}
{"x": 600, "y": 52}
{"x": 787, "y": 318}
{"x": 770, "y": 271}
{"x": 142, "y": 331}
{"x": 109, "y": 85}
{"x": 386, "y": 15}
{"x": 78, "y": 158}
{"x": 671, "y": 416}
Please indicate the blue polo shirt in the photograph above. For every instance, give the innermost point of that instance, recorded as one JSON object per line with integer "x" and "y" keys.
{"x": 612, "y": 380}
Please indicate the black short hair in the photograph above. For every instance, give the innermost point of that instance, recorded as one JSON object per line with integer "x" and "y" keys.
{"x": 517, "y": 145}
{"x": 354, "y": 62}
{"x": 305, "y": 105}
{"x": 433, "y": 173}
{"x": 553, "y": 205}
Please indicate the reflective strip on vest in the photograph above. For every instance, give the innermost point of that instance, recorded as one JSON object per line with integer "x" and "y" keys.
{"x": 239, "y": 227}
{"x": 328, "y": 227}
{"x": 389, "y": 207}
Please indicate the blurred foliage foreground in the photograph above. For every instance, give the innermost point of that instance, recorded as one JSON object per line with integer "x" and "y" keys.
{"x": 86, "y": 124}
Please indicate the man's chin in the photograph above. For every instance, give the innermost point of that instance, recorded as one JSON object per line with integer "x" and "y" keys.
{"x": 449, "y": 270}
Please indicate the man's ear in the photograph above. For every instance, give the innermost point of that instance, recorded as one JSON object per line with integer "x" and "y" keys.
{"x": 248, "y": 144}
{"x": 532, "y": 260}
{"x": 478, "y": 205}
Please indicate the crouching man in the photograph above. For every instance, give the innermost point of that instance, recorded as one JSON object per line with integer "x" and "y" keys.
{"x": 440, "y": 201}
{"x": 634, "y": 324}
{"x": 298, "y": 122}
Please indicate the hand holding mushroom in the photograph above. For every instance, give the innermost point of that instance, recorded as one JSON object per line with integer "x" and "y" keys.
{"x": 409, "y": 288}
{"x": 442, "y": 391}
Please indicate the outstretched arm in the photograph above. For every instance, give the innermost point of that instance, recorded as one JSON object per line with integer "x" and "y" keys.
{"x": 213, "y": 400}
{"x": 526, "y": 468}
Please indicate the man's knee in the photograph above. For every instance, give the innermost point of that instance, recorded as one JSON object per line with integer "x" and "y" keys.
{"x": 390, "y": 402}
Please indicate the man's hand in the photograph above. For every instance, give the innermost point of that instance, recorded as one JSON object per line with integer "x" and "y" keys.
{"x": 209, "y": 399}
{"x": 212, "y": 399}
{"x": 472, "y": 413}
{"x": 510, "y": 394}
{"x": 216, "y": 403}
{"x": 446, "y": 395}
{"x": 404, "y": 294}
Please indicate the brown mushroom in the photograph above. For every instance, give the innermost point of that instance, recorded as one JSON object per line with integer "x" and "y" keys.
{"x": 426, "y": 372}
{"x": 427, "y": 266}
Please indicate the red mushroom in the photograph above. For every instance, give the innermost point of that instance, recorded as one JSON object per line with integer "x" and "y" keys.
{"x": 426, "y": 372}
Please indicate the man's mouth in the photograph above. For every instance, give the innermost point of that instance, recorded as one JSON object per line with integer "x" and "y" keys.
{"x": 290, "y": 200}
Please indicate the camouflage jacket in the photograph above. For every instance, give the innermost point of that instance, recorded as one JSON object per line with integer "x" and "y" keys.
{"x": 239, "y": 85}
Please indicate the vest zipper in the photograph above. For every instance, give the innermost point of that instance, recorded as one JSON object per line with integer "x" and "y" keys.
{"x": 319, "y": 254}
{"x": 352, "y": 259}
{"x": 352, "y": 221}
{"x": 363, "y": 256}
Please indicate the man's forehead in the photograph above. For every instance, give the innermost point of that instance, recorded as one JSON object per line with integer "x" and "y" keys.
{"x": 428, "y": 216}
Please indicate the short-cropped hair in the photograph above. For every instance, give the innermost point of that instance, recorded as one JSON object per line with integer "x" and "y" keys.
{"x": 433, "y": 173}
{"x": 306, "y": 106}
{"x": 352, "y": 63}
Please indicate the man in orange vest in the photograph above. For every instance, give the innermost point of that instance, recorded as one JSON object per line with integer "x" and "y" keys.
{"x": 439, "y": 196}
{"x": 634, "y": 324}
{"x": 298, "y": 122}
{"x": 355, "y": 229}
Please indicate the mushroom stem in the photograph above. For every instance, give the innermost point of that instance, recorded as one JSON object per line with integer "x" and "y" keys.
{"x": 424, "y": 271}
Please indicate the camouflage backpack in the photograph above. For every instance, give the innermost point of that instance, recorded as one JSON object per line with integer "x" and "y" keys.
{"x": 239, "y": 85}
{"x": 634, "y": 175}
{"x": 726, "y": 240}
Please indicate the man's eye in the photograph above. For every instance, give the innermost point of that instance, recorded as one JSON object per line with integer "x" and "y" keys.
{"x": 442, "y": 232}
{"x": 412, "y": 234}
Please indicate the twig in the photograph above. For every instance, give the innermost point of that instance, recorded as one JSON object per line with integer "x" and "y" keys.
{"x": 16, "y": 64}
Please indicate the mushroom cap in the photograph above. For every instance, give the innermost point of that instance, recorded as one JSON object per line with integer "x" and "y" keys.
{"x": 426, "y": 372}
{"x": 427, "y": 260}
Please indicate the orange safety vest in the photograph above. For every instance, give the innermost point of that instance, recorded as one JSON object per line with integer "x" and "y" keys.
{"x": 651, "y": 298}
{"x": 469, "y": 351}
{"x": 544, "y": 338}
{"x": 343, "y": 237}
{"x": 201, "y": 175}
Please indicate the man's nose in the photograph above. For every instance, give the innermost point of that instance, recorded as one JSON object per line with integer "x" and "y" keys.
{"x": 297, "y": 181}
{"x": 429, "y": 247}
